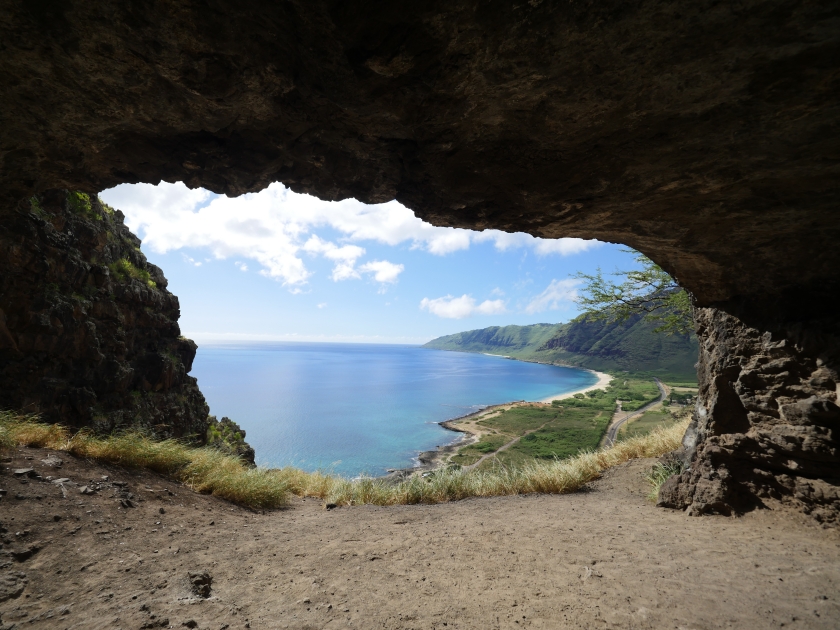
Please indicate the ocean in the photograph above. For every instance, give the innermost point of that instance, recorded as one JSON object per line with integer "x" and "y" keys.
{"x": 360, "y": 408}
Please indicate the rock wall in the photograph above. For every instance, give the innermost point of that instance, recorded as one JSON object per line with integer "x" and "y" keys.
{"x": 88, "y": 332}
{"x": 767, "y": 422}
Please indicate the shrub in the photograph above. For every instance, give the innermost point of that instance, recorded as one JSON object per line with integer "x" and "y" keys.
{"x": 79, "y": 203}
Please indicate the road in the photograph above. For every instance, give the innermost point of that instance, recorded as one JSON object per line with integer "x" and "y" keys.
{"x": 612, "y": 431}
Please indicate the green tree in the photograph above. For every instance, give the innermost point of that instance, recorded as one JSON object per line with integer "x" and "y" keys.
{"x": 648, "y": 291}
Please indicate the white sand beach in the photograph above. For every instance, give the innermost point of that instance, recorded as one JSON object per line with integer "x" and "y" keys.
{"x": 603, "y": 381}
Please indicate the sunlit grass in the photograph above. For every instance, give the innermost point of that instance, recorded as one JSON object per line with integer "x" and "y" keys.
{"x": 538, "y": 476}
{"x": 205, "y": 470}
{"x": 659, "y": 474}
{"x": 210, "y": 471}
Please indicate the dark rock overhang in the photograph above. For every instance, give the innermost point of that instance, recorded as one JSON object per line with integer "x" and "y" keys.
{"x": 704, "y": 134}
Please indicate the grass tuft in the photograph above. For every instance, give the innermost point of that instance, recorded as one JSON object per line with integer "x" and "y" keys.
{"x": 205, "y": 470}
{"x": 659, "y": 474}
{"x": 124, "y": 269}
{"x": 210, "y": 471}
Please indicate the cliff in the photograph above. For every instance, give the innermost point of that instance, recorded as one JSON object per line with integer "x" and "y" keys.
{"x": 89, "y": 334}
{"x": 628, "y": 346}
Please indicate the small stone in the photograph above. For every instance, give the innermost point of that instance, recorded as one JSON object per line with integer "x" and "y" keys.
{"x": 162, "y": 511}
{"x": 62, "y": 480}
{"x": 86, "y": 490}
{"x": 24, "y": 472}
{"x": 212, "y": 522}
{"x": 126, "y": 503}
{"x": 200, "y": 581}
{"x": 307, "y": 601}
{"x": 190, "y": 623}
{"x": 56, "y": 517}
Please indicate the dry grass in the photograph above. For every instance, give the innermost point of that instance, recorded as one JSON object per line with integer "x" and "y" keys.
{"x": 552, "y": 477}
{"x": 204, "y": 470}
{"x": 210, "y": 471}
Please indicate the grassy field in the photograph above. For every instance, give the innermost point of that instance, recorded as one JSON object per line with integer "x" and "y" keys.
{"x": 649, "y": 421}
{"x": 562, "y": 430}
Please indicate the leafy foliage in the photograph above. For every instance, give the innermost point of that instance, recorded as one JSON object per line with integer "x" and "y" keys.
{"x": 79, "y": 203}
{"x": 648, "y": 291}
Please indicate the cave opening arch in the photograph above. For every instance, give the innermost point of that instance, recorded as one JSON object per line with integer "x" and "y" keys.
{"x": 702, "y": 136}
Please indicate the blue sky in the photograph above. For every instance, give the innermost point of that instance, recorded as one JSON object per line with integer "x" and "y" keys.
{"x": 276, "y": 265}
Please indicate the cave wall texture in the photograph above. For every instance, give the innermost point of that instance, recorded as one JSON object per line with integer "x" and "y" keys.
{"x": 704, "y": 134}
{"x": 88, "y": 332}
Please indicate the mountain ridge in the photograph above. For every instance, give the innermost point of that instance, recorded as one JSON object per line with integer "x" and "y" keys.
{"x": 629, "y": 346}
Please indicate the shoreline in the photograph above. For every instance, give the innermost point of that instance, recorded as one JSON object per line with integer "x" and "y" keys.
{"x": 431, "y": 460}
{"x": 603, "y": 381}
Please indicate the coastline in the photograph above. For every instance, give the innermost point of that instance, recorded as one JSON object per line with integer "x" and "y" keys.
{"x": 470, "y": 432}
{"x": 603, "y": 381}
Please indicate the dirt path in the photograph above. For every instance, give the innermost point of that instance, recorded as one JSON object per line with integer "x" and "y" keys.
{"x": 502, "y": 448}
{"x": 604, "y": 558}
{"x": 619, "y": 419}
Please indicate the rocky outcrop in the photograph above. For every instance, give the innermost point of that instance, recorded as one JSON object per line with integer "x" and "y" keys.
{"x": 766, "y": 424}
{"x": 89, "y": 334}
{"x": 703, "y": 134}
{"x": 229, "y": 437}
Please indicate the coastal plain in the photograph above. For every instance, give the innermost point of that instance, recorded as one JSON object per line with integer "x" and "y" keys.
{"x": 601, "y": 558}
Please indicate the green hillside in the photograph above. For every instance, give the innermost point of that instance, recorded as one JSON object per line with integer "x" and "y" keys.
{"x": 606, "y": 346}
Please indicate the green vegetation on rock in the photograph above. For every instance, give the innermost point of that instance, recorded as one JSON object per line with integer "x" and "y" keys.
{"x": 628, "y": 346}
{"x": 79, "y": 203}
{"x": 123, "y": 270}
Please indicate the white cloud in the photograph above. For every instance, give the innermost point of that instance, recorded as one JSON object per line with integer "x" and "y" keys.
{"x": 504, "y": 241}
{"x": 460, "y": 307}
{"x": 557, "y": 292}
{"x": 191, "y": 260}
{"x": 275, "y": 226}
{"x": 345, "y": 257}
{"x": 241, "y": 265}
{"x": 382, "y": 270}
{"x": 322, "y": 305}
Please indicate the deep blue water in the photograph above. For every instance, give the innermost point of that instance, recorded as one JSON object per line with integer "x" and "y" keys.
{"x": 354, "y": 408}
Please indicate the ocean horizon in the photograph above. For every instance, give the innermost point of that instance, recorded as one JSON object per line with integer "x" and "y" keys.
{"x": 351, "y": 408}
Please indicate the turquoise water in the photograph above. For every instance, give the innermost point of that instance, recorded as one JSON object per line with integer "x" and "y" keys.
{"x": 360, "y": 408}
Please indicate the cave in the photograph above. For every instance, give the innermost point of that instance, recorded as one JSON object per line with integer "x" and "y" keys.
{"x": 703, "y": 134}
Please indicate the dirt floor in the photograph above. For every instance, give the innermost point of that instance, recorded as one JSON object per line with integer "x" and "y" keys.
{"x": 604, "y": 558}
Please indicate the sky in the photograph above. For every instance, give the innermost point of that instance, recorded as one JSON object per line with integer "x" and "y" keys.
{"x": 281, "y": 266}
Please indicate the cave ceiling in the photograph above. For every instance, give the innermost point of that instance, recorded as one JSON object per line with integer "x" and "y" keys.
{"x": 703, "y": 133}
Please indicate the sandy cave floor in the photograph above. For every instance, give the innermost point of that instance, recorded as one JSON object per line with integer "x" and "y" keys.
{"x": 604, "y": 558}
